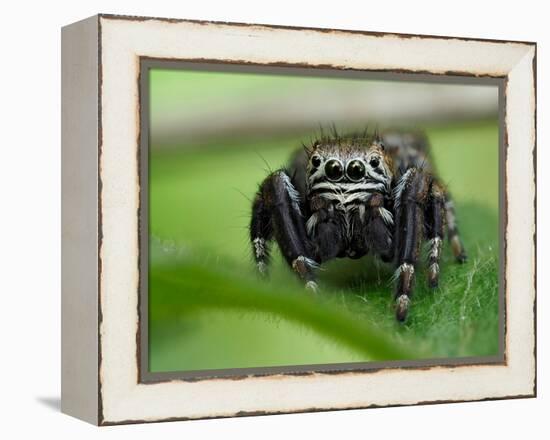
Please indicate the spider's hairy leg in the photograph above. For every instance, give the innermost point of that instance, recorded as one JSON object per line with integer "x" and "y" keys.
{"x": 261, "y": 233}
{"x": 276, "y": 213}
{"x": 452, "y": 232}
{"x": 410, "y": 201}
{"x": 435, "y": 211}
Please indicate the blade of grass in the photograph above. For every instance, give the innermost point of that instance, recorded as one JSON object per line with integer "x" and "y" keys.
{"x": 183, "y": 288}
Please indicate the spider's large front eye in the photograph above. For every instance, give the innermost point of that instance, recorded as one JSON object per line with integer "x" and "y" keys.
{"x": 334, "y": 170}
{"x": 356, "y": 170}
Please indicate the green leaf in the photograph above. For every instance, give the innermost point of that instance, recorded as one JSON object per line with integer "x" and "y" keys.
{"x": 183, "y": 289}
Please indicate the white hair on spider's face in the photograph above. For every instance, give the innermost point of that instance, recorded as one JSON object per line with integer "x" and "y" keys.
{"x": 347, "y": 173}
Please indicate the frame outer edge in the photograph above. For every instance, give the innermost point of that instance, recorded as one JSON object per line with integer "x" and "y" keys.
{"x": 79, "y": 220}
{"x": 525, "y": 72}
{"x": 535, "y": 207}
{"x": 109, "y": 420}
{"x": 143, "y": 18}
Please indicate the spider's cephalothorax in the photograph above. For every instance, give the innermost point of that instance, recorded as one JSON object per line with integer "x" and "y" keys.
{"x": 346, "y": 196}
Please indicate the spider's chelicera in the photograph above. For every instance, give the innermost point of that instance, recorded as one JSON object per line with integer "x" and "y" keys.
{"x": 346, "y": 196}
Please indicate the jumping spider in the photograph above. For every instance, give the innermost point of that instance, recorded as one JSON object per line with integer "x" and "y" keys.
{"x": 346, "y": 196}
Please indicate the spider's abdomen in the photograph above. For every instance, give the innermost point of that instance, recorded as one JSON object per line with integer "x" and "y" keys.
{"x": 407, "y": 150}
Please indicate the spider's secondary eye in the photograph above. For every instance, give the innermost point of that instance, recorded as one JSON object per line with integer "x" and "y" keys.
{"x": 356, "y": 170}
{"x": 374, "y": 162}
{"x": 334, "y": 169}
{"x": 316, "y": 161}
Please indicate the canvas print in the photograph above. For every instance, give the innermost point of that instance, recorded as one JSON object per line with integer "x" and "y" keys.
{"x": 306, "y": 220}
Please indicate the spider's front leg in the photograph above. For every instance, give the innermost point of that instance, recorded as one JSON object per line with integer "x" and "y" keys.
{"x": 277, "y": 213}
{"x": 411, "y": 204}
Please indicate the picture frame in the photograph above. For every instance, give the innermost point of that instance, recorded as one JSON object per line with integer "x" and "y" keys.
{"x": 104, "y": 224}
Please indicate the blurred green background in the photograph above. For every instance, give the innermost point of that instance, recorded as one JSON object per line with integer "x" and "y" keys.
{"x": 213, "y": 137}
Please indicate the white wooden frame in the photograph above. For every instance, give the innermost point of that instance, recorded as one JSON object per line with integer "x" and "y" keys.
{"x": 101, "y": 197}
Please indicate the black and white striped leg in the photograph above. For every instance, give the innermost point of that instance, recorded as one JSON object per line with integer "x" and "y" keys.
{"x": 434, "y": 230}
{"x": 411, "y": 196}
{"x": 261, "y": 233}
{"x": 452, "y": 232}
{"x": 276, "y": 213}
